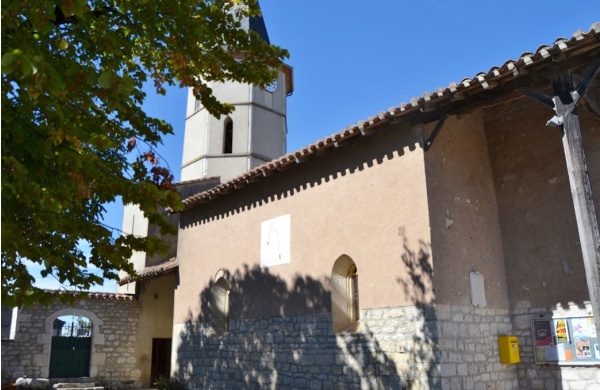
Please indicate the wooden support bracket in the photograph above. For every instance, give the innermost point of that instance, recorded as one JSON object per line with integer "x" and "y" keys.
{"x": 565, "y": 100}
{"x": 434, "y": 133}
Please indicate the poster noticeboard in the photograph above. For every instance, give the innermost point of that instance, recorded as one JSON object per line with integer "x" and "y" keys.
{"x": 566, "y": 341}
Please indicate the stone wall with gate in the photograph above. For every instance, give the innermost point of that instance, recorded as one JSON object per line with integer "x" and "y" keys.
{"x": 114, "y": 319}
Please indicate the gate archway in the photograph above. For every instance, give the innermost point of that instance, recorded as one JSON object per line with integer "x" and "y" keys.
{"x": 71, "y": 347}
{"x": 95, "y": 361}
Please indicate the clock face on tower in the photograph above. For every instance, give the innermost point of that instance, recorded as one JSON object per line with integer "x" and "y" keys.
{"x": 271, "y": 87}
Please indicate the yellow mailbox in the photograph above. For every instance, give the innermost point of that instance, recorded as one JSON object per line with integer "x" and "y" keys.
{"x": 509, "y": 349}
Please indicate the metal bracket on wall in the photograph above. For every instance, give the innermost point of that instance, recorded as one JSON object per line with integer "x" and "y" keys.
{"x": 434, "y": 133}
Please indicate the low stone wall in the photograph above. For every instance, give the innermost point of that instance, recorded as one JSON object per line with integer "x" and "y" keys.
{"x": 549, "y": 377}
{"x": 114, "y": 326}
{"x": 393, "y": 348}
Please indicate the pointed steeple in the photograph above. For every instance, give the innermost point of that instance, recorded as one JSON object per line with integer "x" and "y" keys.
{"x": 256, "y": 24}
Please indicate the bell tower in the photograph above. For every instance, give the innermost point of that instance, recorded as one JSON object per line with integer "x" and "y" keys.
{"x": 254, "y": 133}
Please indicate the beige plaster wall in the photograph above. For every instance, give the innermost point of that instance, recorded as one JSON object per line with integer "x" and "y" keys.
{"x": 465, "y": 232}
{"x": 155, "y": 320}
{"x": 544, "y": 265}
{"x": 367, "y": 200}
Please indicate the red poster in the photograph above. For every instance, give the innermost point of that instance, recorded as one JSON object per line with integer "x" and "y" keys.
{"x": 542, "y": 330}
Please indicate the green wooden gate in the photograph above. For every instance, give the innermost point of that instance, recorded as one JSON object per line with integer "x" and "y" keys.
{"x": 70, "y": 357}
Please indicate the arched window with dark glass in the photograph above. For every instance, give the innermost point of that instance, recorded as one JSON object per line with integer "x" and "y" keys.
{"x": 344, "y": 295}
{"x": 228, "y": 136}
{"x": 219, "y": 306}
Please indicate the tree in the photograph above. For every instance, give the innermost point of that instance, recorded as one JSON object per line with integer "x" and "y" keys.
{"x": 74, "y": 136}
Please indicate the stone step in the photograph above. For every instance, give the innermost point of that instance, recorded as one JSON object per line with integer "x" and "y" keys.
{"x": 43, "y": 384}
{"x": 32, "y": 383}
{"x": 82, "y": 388}
{"x": 76, "y": 382}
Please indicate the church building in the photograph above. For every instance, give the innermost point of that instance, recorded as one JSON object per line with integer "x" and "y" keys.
{"x": 434, "y": 245}
{"x": 450, "y": 242}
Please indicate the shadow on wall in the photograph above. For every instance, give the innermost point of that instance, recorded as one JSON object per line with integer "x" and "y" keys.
{"x": 280, "y": 336}
{"x": 419, "y": 269}
{"x": 423, "y": 352}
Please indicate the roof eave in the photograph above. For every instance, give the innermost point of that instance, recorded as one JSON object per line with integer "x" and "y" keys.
{"x": 530, "y": 70}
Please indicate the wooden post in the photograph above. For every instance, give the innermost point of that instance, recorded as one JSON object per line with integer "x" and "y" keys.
{"x": 565, "y": 102}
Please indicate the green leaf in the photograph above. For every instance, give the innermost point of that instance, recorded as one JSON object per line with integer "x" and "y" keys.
{"x": 78, "y": 7}
{"x": 68, "y": 113}
{"x": 7, "y": 59}
{"x": 26, "y": 66}
{"x": 106, "y": 80}
{"x": 126, "y": 85}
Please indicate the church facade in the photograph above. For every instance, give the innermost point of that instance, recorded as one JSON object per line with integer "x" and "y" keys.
{"x": 401, "y": 252}
{"x": 432, "y": 246}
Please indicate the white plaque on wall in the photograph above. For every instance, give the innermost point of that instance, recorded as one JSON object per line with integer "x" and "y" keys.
{"x": 477, "y": 284}
{"x": 275, "y": 241}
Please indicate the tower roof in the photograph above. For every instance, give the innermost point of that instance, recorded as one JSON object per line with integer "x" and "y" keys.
{"x": 256, "y": 24}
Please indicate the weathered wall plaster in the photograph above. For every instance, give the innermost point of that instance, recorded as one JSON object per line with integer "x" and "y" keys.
{"x": 465, "y": 232}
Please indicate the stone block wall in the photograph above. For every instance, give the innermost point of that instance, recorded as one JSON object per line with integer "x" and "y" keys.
{"x": 298, "y": 352}
{"x": 404, "y": 347}
{"x": 549, "y": 377}
{"x": 470, "y": 357}
{"x": 114, "y": 326}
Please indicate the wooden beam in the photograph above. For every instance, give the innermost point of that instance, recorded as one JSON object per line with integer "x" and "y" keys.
{"x": 537, "y": 95}
{"x": 587, "y": 78}
{"x": 565, "y": 102}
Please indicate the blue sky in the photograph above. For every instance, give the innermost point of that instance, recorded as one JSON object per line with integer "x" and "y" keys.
{"x": 353, "y": 59}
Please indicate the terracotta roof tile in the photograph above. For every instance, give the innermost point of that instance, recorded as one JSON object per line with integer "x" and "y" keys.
{"x": 111, "y": 296}
{"x": 197, "y": 180}
{"x": 495, "y": 76}
{"x": 98, "y": 295}
{"x": 151, "y": 272}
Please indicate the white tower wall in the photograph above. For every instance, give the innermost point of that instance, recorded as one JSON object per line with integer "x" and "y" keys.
{"x": 134, "y": 223}
{"x": 259, "y": 131}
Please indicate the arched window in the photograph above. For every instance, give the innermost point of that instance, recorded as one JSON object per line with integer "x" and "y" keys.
{"x": 344, "y": 295}
{"x": 219, "y": 308}
{"x": 228, "y": 136}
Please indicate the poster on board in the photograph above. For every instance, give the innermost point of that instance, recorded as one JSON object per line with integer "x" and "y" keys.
{"x": 543, "y": 333}
{"x": 583, "y": 348}
{"x": 569, "y": 341}
{"x": 562, "y": 335}
{"x": 545, "y": 350}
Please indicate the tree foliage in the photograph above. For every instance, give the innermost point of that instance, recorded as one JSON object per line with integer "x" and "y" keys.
{"x": 74, "y": 135}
